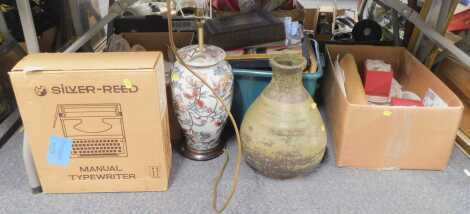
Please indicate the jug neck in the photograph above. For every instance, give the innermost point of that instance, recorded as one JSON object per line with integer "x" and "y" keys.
{"x": 286, "y": 79}
{"x": 287, "y": 71}
{"x": 286, "y": 84}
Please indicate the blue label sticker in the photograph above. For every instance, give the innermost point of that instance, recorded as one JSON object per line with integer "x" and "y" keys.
{"x": 59, "y": 150}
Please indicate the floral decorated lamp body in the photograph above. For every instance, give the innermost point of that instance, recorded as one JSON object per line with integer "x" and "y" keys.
{"x": 200, "y": 115}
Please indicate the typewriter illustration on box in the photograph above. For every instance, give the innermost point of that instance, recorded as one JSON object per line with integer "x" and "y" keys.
{"x": 97, "y": 130}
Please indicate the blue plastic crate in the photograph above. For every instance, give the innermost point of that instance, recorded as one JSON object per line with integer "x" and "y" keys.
{"x": 250, "y": 83}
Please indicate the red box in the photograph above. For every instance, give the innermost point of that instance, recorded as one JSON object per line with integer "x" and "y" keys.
{"x": 405, "y": 102}
{"x": 377, "y": 83}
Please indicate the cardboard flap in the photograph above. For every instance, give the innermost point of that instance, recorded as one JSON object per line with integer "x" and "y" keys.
{"x": 88, "y": 61}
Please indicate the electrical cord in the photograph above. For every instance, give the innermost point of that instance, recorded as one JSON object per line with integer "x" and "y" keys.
{"x": 226, "y": 109}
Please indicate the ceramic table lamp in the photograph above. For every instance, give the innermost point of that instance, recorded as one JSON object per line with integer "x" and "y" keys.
{"x": 198, "y": 112}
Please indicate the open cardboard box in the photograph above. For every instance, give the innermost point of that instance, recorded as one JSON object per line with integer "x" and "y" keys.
{"x": 391, "y": 137}
{"x": 158, "y": 41}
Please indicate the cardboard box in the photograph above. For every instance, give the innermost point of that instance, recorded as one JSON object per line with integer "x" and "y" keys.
{"x": 457, "y": 77}
{"x": 96, "y": 122}
{"x": 311, "y": 19}
{"x": 159, "y": 41}
{"x": 391, "y": 137}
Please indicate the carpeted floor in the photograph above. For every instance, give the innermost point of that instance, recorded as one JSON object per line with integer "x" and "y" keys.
{"x": 328, "y": 190}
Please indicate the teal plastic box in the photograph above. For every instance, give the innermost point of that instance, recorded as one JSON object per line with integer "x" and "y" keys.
{"x": 250, "y": 83}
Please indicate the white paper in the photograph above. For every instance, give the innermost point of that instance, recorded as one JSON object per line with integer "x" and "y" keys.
{"x": 433, "y": 100}
{"x": 378, "y": 100}
{"x": 467, "y": 172}
{"x": 410, "y": 95}
{"x": 395, "y": 89}
{"x": 339, "y": 74}
{"x": 378, "y": 65}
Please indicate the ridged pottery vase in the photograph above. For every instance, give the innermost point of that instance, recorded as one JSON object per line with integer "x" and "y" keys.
{"x": 201, "y": 117}
{"x": 283, "y": 133}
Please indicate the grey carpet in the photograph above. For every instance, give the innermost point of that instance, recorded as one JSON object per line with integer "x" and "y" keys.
{"x": 328, "y": 190}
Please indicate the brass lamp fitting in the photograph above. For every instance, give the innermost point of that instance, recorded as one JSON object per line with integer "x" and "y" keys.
{"x": 200, "y": 27}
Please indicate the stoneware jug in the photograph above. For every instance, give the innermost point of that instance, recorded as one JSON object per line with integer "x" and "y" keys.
{"x": 282, "y": 133}
{"x": 201, "y": 117}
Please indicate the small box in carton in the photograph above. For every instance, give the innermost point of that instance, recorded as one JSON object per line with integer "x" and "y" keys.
{"x": 96, "y": 122}
{"x": 391, "y": 137}
{"x": 405, "y": 102}
{"x": 376, "y": 82}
